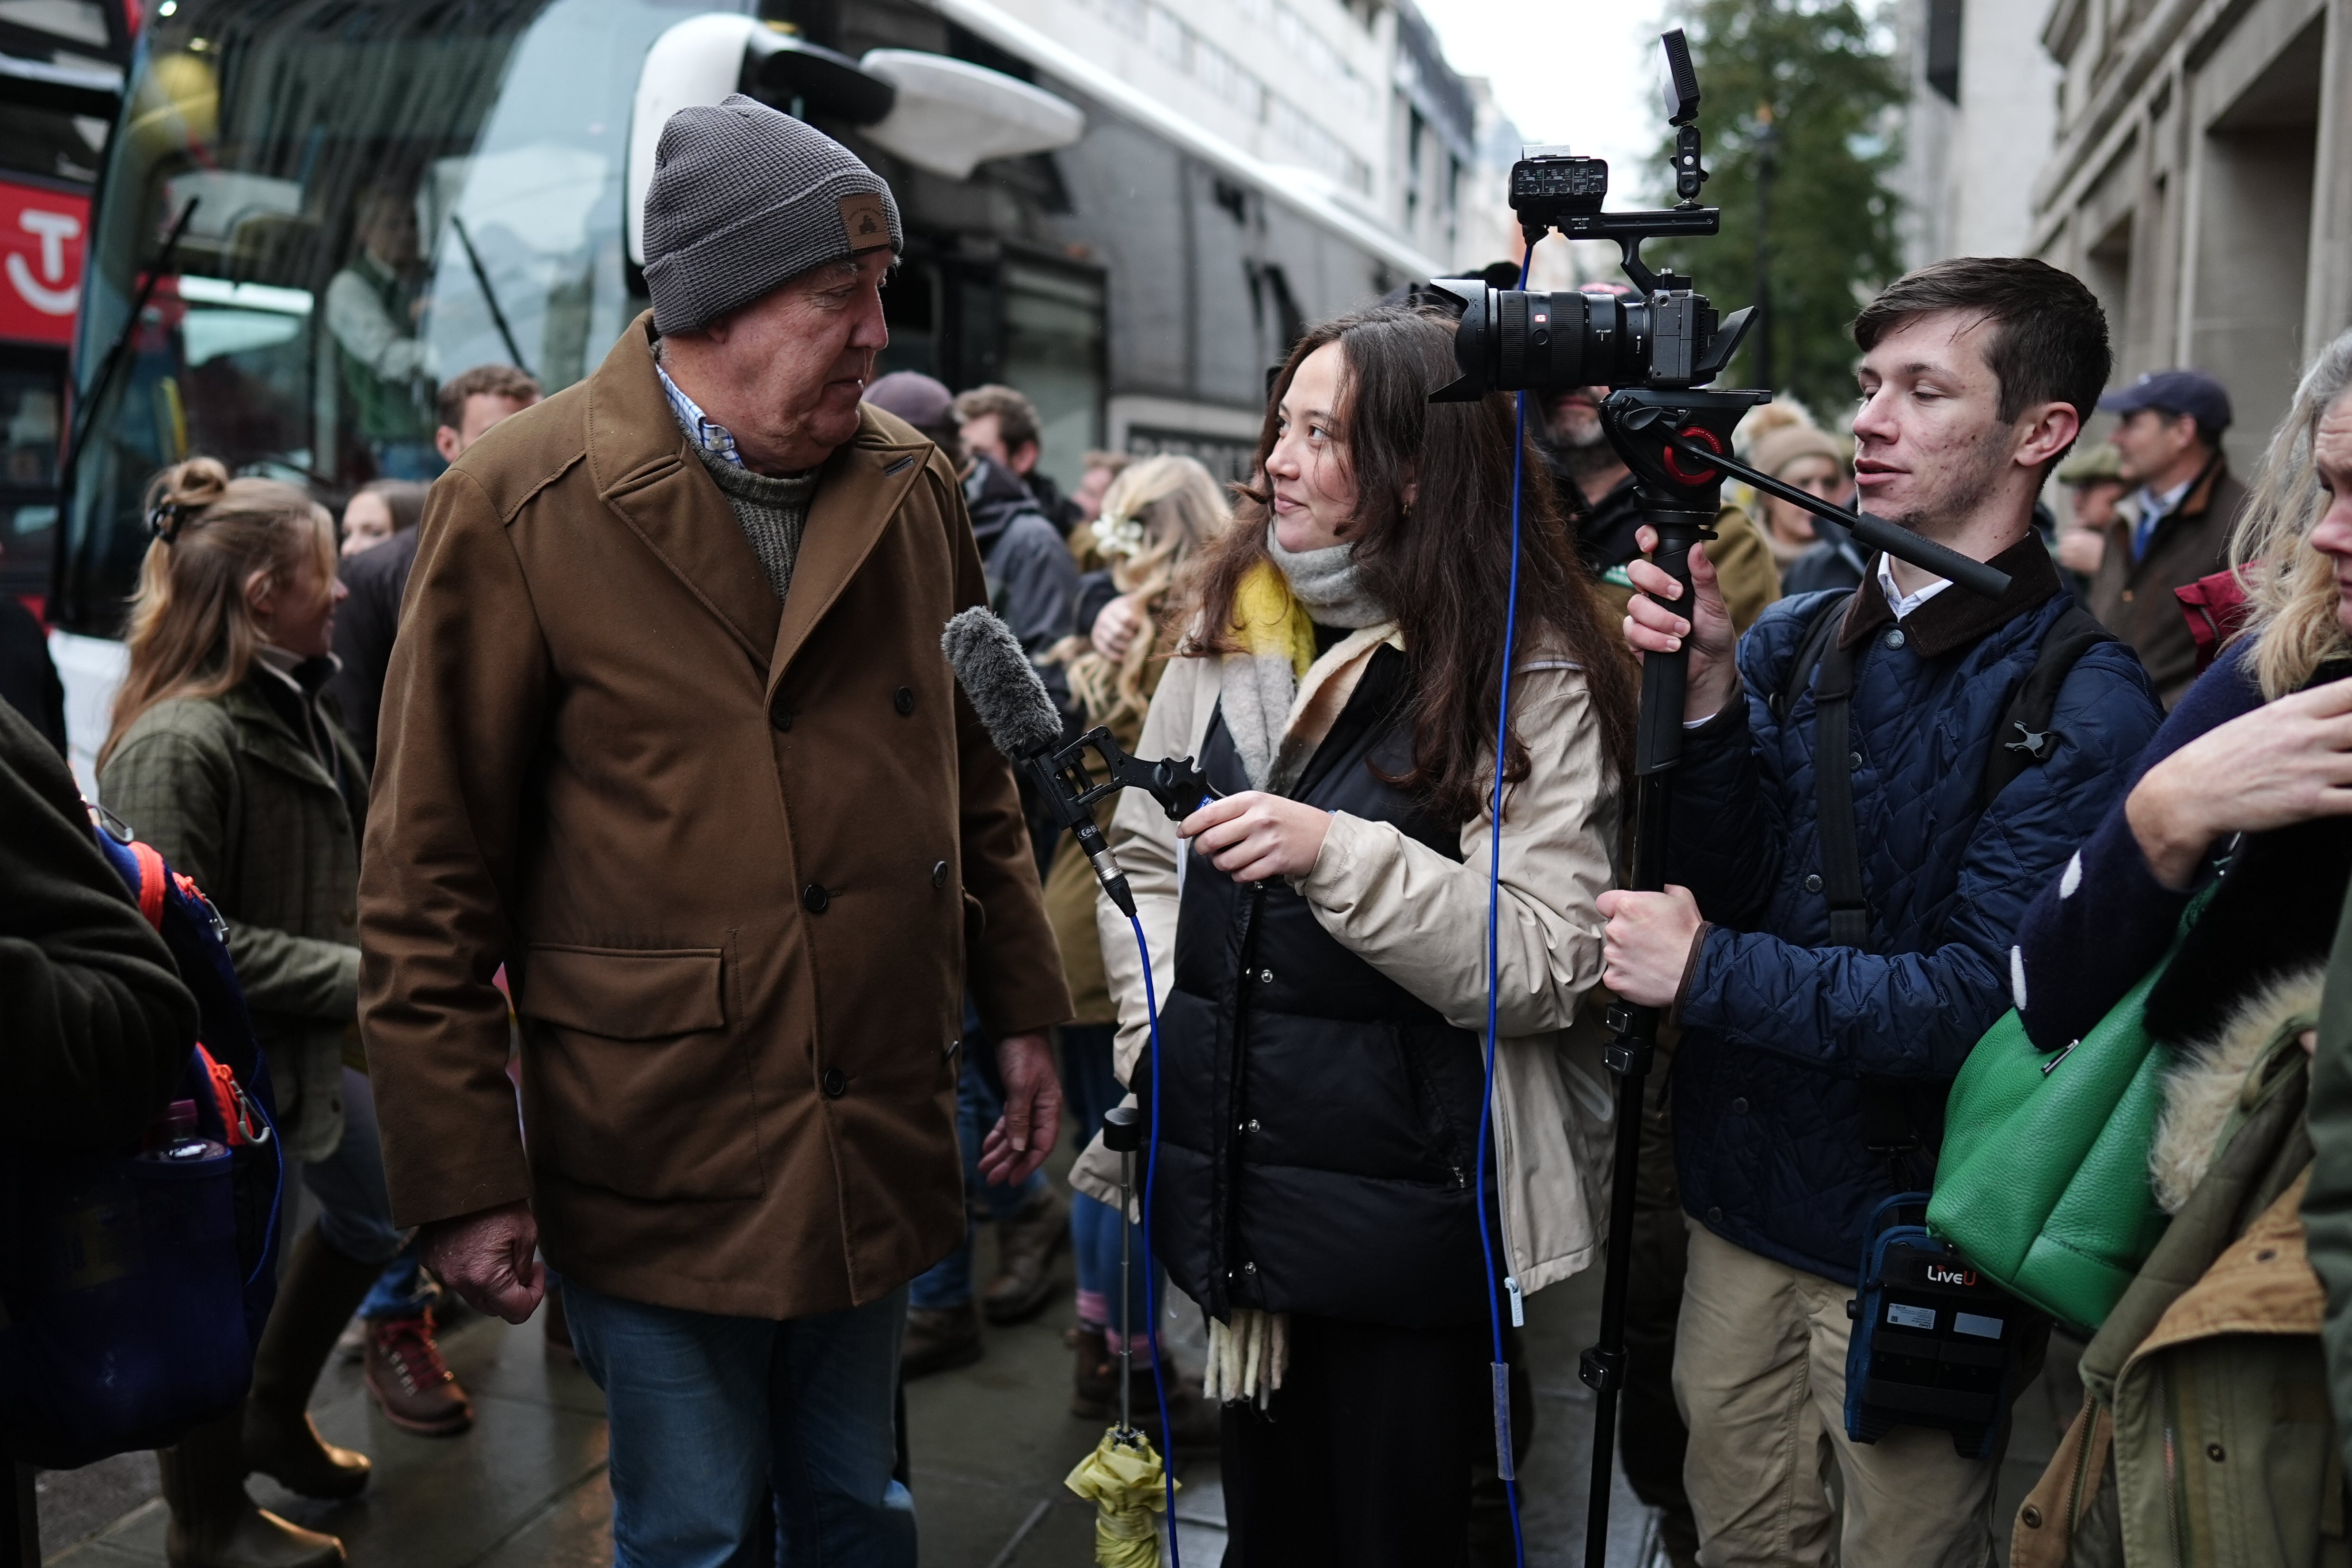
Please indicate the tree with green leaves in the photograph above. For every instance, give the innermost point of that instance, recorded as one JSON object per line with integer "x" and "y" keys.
{"x": 1800, "y": 102}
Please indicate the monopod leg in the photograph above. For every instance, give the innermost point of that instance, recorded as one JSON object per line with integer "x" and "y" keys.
{"x": 1123, "y": 1132}
{"x": 1657, "y": 749}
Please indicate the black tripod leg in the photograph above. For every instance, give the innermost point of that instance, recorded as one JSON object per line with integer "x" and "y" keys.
{"x": 1657, "y": 749}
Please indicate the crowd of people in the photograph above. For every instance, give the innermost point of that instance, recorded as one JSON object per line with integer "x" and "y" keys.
{"x": 642, "y": 930}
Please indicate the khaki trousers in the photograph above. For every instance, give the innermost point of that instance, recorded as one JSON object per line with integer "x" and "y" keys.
{"x": 1759, "y": 1374}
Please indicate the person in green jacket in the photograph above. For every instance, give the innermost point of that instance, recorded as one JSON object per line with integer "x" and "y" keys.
{"x": 226, "y": 757}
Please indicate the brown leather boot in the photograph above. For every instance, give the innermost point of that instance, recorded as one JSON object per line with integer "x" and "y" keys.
{"x": 321, "y": 1291}
{"x": 1094, "y": 1382}
{"x": 1025, "y": 1246}
{"x": 214, "y": 1523}
{"x": 940, "y": 1339}
{"x": 412, "y": 1385}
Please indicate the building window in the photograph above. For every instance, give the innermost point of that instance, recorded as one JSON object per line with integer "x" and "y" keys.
{"x": 1944, "y": 47}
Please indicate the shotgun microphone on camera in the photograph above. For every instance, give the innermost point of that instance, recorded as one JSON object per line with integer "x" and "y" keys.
{"x": 1006, "y": 691}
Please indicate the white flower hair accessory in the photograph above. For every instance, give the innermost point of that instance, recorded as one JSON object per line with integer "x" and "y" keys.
{"x": 1118, "y": 534}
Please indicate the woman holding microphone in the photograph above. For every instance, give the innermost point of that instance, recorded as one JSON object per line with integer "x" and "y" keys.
{"x": 1320, "y": 936}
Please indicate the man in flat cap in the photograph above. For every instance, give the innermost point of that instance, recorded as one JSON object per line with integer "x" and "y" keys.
{"x": 668, "y": 733}
{"x": 2174, "y": 526}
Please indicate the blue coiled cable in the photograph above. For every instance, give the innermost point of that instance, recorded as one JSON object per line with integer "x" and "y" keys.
{"x": 1504, "y": 1463}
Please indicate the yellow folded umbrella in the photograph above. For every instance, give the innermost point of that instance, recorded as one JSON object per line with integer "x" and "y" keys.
{"x": 1124, "y": 1479}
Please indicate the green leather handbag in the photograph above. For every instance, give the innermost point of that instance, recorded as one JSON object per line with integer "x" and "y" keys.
{"x": 2042, "y": 1180}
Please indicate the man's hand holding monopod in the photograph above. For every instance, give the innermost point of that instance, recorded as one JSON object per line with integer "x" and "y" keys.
{"x": 1652, "y": 627}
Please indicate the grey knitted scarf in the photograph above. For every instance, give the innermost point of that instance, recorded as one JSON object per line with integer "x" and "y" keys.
{"x": 1259, "y": 688}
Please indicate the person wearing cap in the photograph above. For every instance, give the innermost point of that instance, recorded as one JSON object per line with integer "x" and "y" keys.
{"x": 2094, "y": 488}
{"x": 2174, "y": 526}
{"x": 668, "y": 733}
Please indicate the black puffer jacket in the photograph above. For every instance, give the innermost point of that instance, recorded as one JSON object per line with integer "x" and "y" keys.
{"x": 1321, "y": 1121}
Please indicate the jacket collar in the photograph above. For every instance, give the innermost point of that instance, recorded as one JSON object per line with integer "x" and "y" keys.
{"x": 267, "y": 736}
{"x": 1954, "y": 620}
{"x": 642, "y": 467}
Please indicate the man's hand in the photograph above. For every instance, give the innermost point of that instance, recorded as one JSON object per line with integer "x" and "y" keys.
{"x": 1648, "y": 946}
{"x": 1023, "y": 1137}
{"x": 1253, "y": 836}
{"x": 490, "y": 1258}
{"x": 1115, "y": 628}
{"x": 1651, "y": 627}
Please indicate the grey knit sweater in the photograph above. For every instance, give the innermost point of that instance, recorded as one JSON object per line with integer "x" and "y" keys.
{"x": 770, "y": 511}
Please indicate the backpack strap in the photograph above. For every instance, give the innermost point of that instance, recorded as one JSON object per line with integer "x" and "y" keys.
{"x": 2024, "y": 737}
{"x": 1818, "y": 633}
{"x": 154, "y": 883}
{"x": 1834, "y": 760}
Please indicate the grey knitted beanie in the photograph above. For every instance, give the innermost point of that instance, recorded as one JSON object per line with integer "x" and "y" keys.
{"x": 744, "y": 198}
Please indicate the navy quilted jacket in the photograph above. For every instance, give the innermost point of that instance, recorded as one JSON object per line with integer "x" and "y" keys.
{"x": 1779, "y": 1028}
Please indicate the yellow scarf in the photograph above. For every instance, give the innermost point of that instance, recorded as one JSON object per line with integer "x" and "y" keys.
{"x": 1271, "y": 620}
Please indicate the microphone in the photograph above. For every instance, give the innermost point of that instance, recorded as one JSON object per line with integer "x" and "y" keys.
{"x": 1006, "y": 691}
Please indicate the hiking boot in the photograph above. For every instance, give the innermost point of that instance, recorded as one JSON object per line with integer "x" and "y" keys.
{"x": 1025, "y": 1246}
{"x": 321, "y": 1291}
{"x": 214, "y": 1523}
{"x": 412, "y": 1385}
{"x": 940, "y": 1339}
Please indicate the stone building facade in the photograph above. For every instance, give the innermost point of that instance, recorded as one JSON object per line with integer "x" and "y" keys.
{"x": 2201, "y": 183}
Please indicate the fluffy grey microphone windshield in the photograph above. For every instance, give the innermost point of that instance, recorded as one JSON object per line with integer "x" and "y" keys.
{"x": 1002, "y": 683}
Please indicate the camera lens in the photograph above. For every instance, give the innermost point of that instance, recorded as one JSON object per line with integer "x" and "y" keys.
{"x": 1510, "y": 340}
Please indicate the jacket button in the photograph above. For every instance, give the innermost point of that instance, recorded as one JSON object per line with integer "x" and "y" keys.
{"x": 781, "y": 717}
{"x": 1854, "y": 762}
{"x": 940, "y": 874}
{"x": 1265, "y": 977}
{"x": 1714, "y": 1216}
{"x": 903, "y": 700}
{"x": 1252, "y": 1269}
{"x": 813, "y": 899}
{"x": 836, "y": 1083}
{"x": 2030, "y": 1516}
{"x": 1740, "y": 1107}
{"x": 2213, "y": 1452}
{"x": 1894, "y": 637}
{"x": 2127, "y": 595}
{"x": 1813, "y": 883}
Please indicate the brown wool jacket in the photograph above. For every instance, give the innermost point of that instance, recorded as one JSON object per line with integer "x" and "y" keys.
{"x": 2133, "y": 599}
{"x": 741, "y": 860}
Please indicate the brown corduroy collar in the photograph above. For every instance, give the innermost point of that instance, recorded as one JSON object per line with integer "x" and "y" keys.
{"x": 1953, "y": 619}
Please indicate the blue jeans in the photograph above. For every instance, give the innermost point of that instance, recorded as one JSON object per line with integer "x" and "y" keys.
{"x": 355, "y": 1209}
{"x": 1089, "y": 1087}
{"x": 948, "y": 1283}
{"x": 737, "y": 1441}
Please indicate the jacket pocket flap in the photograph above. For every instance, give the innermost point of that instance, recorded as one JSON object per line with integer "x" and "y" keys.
{"x": 625, "y": 993}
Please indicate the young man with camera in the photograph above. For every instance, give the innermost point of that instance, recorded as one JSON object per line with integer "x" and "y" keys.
{"x": 1817, "y": 1045}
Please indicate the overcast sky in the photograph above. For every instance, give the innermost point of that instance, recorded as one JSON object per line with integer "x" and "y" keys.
{"x": 1583, "y": 72}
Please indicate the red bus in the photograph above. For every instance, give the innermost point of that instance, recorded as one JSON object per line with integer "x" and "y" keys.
{"x": 61, "y": 72}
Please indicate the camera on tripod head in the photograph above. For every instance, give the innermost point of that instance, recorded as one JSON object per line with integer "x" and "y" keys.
{"x": 1668, "y": 336}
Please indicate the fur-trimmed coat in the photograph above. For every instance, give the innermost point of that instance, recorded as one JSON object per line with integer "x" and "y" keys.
{"x": 2205, "y": 1436}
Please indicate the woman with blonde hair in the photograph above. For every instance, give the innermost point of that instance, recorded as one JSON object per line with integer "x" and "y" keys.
{"x": 226, "y": 757}
{"x": 2243, "y": 798}
{"x": 1156, "y": 517}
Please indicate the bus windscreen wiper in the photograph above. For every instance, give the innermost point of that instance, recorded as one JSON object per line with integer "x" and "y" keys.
{"x": 87, "y": 410}
{"x": 490, "y": 295}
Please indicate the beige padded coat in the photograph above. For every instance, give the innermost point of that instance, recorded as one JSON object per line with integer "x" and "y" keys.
{"x": 1421, "y": 919}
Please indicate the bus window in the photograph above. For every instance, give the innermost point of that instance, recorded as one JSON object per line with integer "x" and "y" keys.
{"x": 377, "y": 194}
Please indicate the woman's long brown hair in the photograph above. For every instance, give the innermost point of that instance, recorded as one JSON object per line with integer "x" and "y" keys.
{"x": 1443, "y": 567}
{"x": 191, "y": 629}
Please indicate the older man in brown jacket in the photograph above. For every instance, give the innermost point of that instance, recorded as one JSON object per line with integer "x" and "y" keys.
{"x": 669, "y": 733}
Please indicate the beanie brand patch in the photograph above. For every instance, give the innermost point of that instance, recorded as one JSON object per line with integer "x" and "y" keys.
{"x": 862, "y": 218}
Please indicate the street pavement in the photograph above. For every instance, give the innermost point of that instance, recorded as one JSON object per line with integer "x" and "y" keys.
{"x": 989, "y": 1445}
